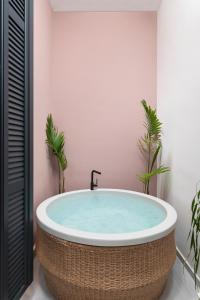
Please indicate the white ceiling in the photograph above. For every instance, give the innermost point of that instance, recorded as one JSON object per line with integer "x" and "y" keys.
{"x": 105, "y": 5}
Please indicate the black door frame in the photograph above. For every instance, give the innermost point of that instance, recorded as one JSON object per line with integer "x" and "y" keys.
{"x": 29, "y": 138}
{"x": 1, "y": 157}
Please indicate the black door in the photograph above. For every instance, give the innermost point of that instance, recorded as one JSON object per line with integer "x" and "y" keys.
{"x": 16, "y": 169}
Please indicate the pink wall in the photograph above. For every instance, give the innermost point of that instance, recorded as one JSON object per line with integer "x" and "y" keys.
{"x": 103, "y": 65}
{"x": 44, "y": 185}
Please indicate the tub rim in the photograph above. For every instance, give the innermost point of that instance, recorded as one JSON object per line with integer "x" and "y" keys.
{"x": 107, "y": 239}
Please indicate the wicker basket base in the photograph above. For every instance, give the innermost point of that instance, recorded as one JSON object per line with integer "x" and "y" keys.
{"x": 66, "y": 291}
{"x": 82, "y": 272}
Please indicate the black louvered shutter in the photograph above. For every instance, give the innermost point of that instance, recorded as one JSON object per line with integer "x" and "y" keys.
{"x": 16, "y": 148}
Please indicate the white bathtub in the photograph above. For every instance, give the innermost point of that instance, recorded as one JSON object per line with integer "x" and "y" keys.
{"x": 107, "y": 239}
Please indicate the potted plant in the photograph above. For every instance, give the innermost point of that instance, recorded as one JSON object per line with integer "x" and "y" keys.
{"x": 56, "y": 142}
{"x": 150, "y": 146}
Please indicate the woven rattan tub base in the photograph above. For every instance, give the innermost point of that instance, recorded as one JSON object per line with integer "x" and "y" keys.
{"x": 81, "y": 272}
{"x": 66, "y": 291}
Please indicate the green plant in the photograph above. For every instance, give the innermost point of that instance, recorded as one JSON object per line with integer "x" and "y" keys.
{"x": 194, "y": 234}
{"x": 150, "y": 146}
{"x": 56, "y": 141}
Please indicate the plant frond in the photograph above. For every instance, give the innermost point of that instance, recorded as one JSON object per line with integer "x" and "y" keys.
{"x": 194, "y": 232}
{"x": 150, "y": 146}
{"x": 152, "y": 124}
{"x": 144, "y": 178}
{"x": 56, "y": 142}
{"x": 62, "y": 161}
{"x": 155, "y": 156}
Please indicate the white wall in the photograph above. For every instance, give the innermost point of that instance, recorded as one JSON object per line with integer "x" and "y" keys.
{"x": 179, "y": 106}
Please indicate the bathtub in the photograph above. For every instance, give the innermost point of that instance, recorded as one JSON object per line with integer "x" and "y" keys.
{"x": 106, "y": 244}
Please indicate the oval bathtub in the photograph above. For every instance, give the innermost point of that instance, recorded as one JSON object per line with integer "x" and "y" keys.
{"x": 106, "y": 244}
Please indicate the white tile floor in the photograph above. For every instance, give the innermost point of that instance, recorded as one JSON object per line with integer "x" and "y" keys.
{"x": 180, "y": 286}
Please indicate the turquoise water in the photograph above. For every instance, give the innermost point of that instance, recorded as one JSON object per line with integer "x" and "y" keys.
{"x": 106, "y": 212}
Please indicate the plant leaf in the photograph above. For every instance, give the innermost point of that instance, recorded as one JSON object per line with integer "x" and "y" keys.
{"x": 194, "y": 234}
{"x": 147, "y": 176}
{"x": 56, "y": 142}
{"x": 155, "y": 156}
{"x": 153, "y": 124}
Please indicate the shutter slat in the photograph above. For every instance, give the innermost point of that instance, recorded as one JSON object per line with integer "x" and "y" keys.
{"x": 16, "y": 200}
{"x": 13, "y": 36}
{"x": 13, "y": 95}
{"x": 15, "y": 59}
{"x": 15, "y": 276}
{"x": 13, "y": 79}
{"x": 16, "y": 103}
{"x": 18, "y": 8}
{"x": 15, "y": 131}
{"x": 14, "y": 116}
{"x": 15, "y": 137}
{"x": 16, "y": 72}
{"x": 17, "y": 251}
{"x": 17, "y": 228}
{"x": 13, "y": 51}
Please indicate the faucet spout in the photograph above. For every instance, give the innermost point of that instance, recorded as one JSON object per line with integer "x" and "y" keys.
{"x": 92, "y": 184}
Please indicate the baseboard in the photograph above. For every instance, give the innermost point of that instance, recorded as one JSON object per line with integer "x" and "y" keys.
{"x": 187, "y": 265}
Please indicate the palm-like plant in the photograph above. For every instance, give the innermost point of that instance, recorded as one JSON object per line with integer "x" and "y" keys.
{"x": 194, "y": 234}
{"x": 56, "y": 141}
{"x": 150, "y": 146}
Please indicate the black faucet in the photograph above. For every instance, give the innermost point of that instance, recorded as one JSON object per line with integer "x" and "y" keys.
{"x": 92, "y": 184}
